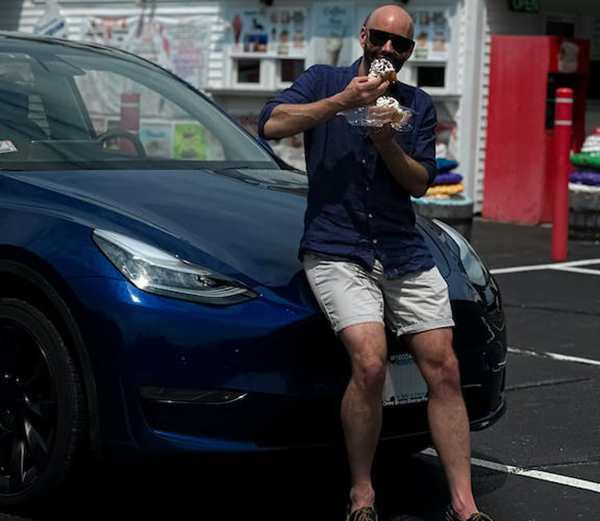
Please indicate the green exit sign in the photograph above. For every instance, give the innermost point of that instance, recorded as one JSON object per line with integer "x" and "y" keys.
{"x": 524, "y": 6}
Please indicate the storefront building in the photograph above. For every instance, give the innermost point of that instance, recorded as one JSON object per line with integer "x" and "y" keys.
{"x": 242, "y": 52}
{"x": 536, "y": 48}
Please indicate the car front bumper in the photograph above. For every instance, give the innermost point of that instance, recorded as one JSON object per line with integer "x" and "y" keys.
{"x": 283, "y": 369}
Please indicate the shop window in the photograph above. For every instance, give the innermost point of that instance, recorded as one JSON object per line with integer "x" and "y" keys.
{"x": 431, "y": 76}
{"x": 594, "y": 85}
{"x": 291, "y": 69}
{"x": 118, "y": 103}
{"x": 268, "y": 46}
{"x": 560, "y": 28}
{"x": 248, "y": 71}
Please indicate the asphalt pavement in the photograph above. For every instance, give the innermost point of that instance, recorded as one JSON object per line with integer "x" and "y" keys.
{"x": 551, "y": 432}
{"x": 540, "y": 462}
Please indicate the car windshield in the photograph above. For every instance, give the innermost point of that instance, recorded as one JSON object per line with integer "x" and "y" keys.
{"x": 69, "y": 108}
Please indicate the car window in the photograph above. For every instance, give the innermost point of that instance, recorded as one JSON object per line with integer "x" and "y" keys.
{"x": 119, "y": 106}
{"x": 19, "y": 102}
{"x": 76, "y": 109}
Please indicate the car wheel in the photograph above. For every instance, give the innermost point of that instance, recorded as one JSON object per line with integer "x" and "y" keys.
{"x": 42, "y": 409}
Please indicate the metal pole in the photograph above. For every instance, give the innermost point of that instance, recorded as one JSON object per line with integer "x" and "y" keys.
{"x": 562, "y": 131}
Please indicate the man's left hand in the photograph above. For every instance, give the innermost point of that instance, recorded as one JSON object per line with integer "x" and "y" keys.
{"x": 382, "y": 135}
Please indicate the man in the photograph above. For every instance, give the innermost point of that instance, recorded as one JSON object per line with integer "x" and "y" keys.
{"x": 364, "y": 257}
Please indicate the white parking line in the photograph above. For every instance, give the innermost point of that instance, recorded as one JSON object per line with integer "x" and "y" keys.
{"x": 554, "y": 266}
{"x": 535, "y": 474}
{"x": 573, "y": 269}
{"x": 554, "y": 356}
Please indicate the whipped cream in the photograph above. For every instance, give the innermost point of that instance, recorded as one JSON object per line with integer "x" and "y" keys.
{"x": 390, "y": 103}
{"x": 382, "y": 67}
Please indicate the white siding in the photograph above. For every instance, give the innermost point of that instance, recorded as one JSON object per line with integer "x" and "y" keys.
{"x": 470, "y": 86}
{"x": 484, "y": 81}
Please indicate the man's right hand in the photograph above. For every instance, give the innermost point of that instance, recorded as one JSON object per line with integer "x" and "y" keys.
{"x": 362, "y": 91}
{"x": 289, "y": 119}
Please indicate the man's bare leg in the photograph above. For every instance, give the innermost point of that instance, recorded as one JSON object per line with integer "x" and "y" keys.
{"x": 362, "y": 406}
{"x": 448, "y": 420}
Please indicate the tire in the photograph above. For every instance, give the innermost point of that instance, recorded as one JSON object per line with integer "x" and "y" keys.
{"x": 42, "y": 409}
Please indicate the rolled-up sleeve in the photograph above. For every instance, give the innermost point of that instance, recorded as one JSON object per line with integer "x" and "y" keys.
{"x": 426, "y": 138}
{"x": 303, "y": 90}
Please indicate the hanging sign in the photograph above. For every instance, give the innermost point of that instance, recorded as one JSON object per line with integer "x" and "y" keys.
{"x": 432, "y": 33}
{"x": 524, "y": 6}
{"x": 52, "y": 23}
{"x": 333, "y": 33}
{"x": 278, "y": 31}
{"x": 180, "y": 45}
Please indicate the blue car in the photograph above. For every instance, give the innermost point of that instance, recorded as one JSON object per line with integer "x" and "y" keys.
{"x": 151, "y": 296}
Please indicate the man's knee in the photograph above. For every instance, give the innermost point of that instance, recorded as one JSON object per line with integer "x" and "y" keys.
{"x": 435, "y": 356}
{"x": 369, "y": 374}
{"x": 442, "y": 373}
{"x": 366, "y": 345}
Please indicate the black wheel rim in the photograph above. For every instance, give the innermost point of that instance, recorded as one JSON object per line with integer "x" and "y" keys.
{"x": 28, "y": 407}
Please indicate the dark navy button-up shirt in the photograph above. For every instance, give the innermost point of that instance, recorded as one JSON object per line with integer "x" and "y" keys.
{"x": 356, "y": 210}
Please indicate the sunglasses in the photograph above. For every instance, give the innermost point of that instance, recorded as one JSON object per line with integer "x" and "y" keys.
{"x": 399, "y": 43}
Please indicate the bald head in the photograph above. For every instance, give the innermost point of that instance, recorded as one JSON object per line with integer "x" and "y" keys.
{"x": 390, "y": 19}
{"x": 393, "y": 19}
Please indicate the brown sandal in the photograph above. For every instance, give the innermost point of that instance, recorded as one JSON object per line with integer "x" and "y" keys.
{"x": 451, "y": 515}
{"x": 363, "y": 514}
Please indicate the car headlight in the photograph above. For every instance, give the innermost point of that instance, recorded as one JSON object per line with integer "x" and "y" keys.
{"x": 471, "y": 263}
{"x": 156, "y": 271}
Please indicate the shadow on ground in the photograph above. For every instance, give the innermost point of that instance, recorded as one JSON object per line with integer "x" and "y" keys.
{"x": 291, "y": 486}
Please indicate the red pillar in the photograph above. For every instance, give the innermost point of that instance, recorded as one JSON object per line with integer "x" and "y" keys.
{"x": 130, "y": 119}
{"x": 562, "y": 131}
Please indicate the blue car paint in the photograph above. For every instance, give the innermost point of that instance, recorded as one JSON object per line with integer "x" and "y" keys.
{"x": 51, "y": 215}
{"x": 252, "y": 232}
{"x": 137, "y": 339}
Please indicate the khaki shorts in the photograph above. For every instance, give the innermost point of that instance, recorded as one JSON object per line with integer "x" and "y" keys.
{"x": 348, "y": 294}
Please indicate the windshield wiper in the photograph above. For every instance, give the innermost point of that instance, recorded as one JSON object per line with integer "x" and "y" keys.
{"x": 241, "y": 167}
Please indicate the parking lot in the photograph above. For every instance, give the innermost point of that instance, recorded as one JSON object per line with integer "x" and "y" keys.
{"x": 541, "y": 462}
{"x": 548, "y": 445}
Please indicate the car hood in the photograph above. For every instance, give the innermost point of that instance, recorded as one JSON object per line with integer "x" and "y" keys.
{"x": 244, "y": 219}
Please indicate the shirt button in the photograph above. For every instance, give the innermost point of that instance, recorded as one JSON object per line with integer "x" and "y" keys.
{"x": 368, "y": 188}
{"x": 374, "y": 241}
{"x": 370, "y": 216}
{"x": 364, "y": 161}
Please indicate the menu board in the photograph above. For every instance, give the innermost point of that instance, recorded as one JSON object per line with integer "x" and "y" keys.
{"x": 432, "y": 33}
{"x": 334, "y": 32}
{"x": 279, "y": 31}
